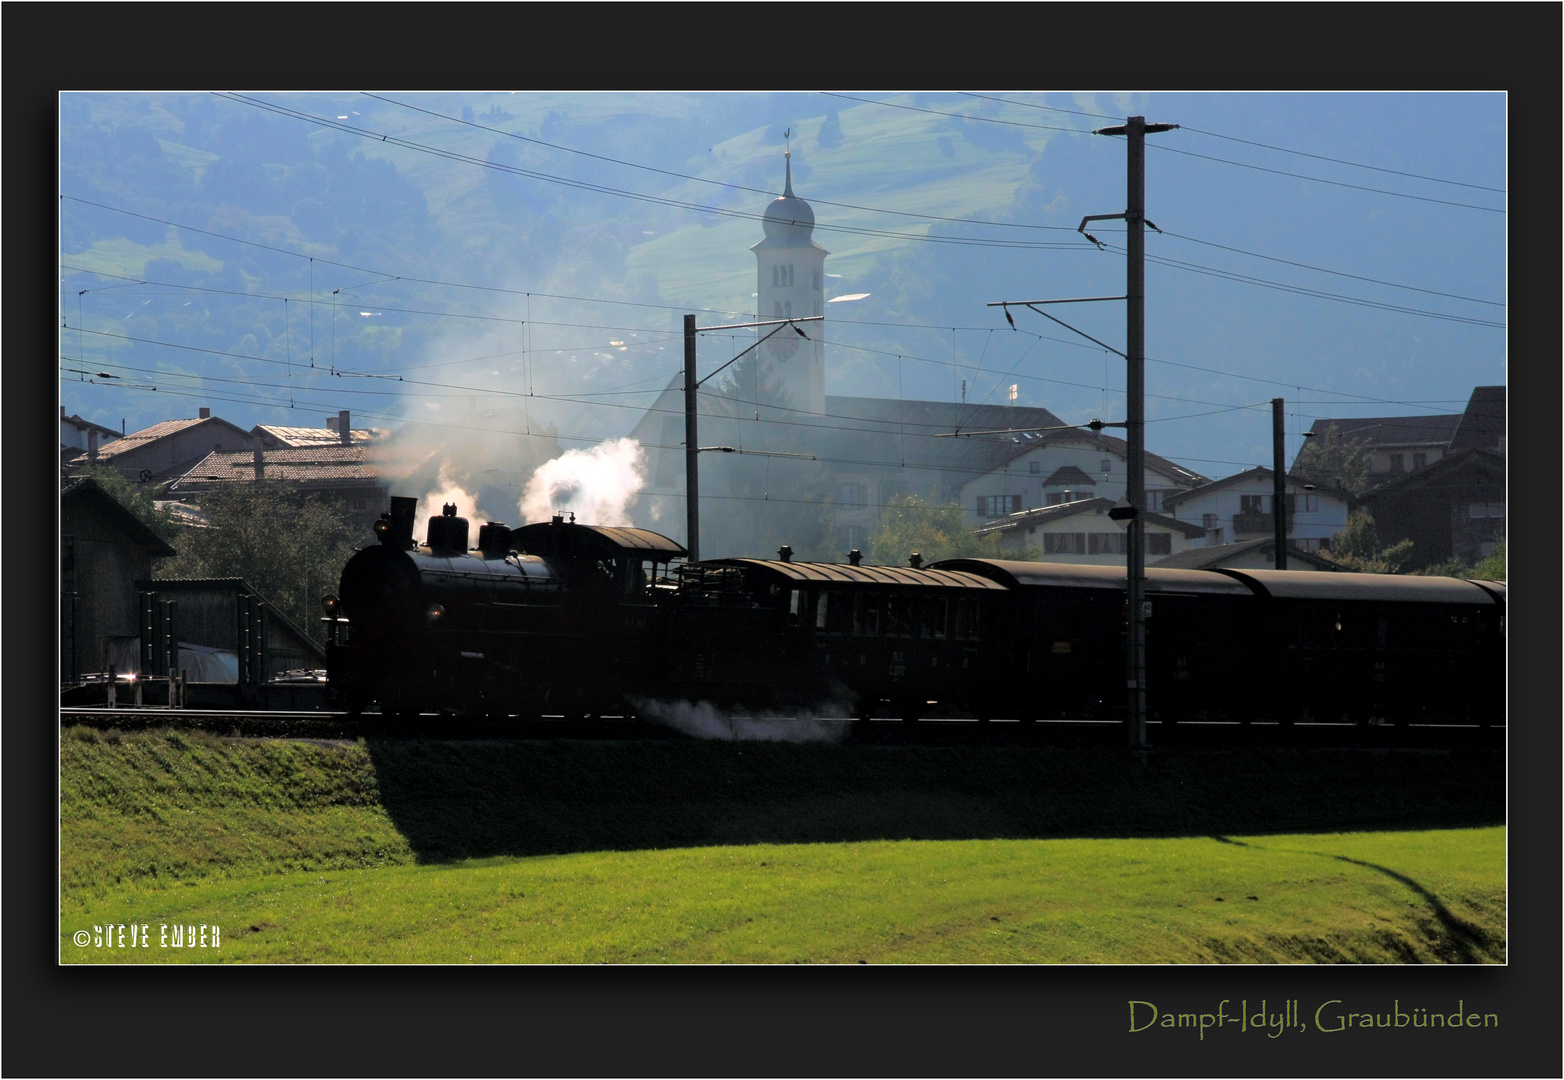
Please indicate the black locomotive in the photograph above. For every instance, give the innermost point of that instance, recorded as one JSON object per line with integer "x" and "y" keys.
{"x": 576, "y": 620}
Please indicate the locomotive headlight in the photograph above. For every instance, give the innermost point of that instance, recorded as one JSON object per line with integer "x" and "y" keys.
{"x": 329, "y": 604}
{"x": 434, "y": 612}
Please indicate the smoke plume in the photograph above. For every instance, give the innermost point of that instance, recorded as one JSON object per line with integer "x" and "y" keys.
{"x": 597, "y": 485}
{"x": 447, "y": 490}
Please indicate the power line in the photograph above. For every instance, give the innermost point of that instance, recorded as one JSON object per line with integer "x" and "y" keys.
{"x": 1249, "y": 142}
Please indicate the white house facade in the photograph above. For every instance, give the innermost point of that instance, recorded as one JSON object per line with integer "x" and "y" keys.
{"x": 1240, "y": 508}
{"x": 1082, "y": 532}
{"x": 1053, "y": 468}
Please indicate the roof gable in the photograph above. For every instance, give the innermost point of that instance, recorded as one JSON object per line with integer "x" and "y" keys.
{"x": 85, "y": 491}
{"x": 1044, "y": 515}
{"x": 1258, "y": 474}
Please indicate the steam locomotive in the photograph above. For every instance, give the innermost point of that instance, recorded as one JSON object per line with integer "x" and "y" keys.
{"x": 560, "y": 618}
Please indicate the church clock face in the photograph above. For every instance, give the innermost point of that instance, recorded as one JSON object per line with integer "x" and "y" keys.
{"x": 784, "y": 345}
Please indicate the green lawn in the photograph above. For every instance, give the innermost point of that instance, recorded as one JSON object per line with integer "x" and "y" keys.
{"x": 772, "y": 853}
{"x": 1366, "y": 897}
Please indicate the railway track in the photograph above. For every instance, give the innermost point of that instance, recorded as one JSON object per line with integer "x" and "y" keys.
{"x": 324, "y": 724}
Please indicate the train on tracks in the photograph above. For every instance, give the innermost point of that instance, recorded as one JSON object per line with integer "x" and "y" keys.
{"x": 576, "y": 620}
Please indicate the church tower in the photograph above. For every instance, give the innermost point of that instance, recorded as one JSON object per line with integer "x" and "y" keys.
{"x": 791, "y": 268}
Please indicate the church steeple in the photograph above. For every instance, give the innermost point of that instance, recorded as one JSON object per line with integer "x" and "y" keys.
{"x": 791, "y": 269}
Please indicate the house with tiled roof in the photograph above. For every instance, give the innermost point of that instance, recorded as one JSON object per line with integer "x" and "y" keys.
{"x": 1239, "y": 507}
{"x": 1455, "y": 508}
{"x": 169, "y": 449}
{"x": 79, "y": 436}
{"x": 1047, "y": 468}
{"x": 1399, "y": 445}
{"x": 278, "y": 437}
{"x": 1080, "y": 531}
{"x": 343, "y": 472}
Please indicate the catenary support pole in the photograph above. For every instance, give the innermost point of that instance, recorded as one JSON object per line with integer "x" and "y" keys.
{"x": 692, "y": 486}
{"x": 1279, "y": 481}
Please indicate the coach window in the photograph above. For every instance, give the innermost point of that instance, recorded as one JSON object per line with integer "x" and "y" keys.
{"x": 966, "y": 618}
{"x": 898, "y": 616}
{"x": 932, "y": 617}
{"x": 866, "y": 615}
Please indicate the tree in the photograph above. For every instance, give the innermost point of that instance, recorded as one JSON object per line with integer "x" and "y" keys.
{"x": 288, "y": 548}
{"x": 1336, "y": 461}
{"x": 1495, "y": 567}
{"x": 909, "y": 524}
{"x": 1356, "y": 547}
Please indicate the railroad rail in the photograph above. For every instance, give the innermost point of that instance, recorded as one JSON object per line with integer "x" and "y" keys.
{"x": 325, "y": 724}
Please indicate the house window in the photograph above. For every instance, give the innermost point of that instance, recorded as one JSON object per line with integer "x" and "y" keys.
{"x": 1396, "y": 463}
{"x": 1107, "y": 465}
{"x": 816, "y": 273}
{"x": 1217, "y": 536}
{"x": 1105, "y": 543}
{"x": 1154, "y": 499}
{"x": 1418, "y": 461}
{"x": 1056, "y": 498}
{"x": 1487, "y": 510}
{"x": 1311, "y": 504}
{"x": 855, "y": 496}
{"x": 993, "y": 506}
{"x": 1064, "y": 543}
{"x": 1208, "y": 521}
{"x": 1037, "y": 467}
{"x": 1159, "y": 543}
{"x": 1251, "y": 504}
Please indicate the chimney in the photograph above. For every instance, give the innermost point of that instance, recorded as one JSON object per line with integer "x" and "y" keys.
{"x": 205, "y": 414}
{"x": 92, "y": 445}
{"x": 344, "y": 429}
{"x": 260, "y": 464}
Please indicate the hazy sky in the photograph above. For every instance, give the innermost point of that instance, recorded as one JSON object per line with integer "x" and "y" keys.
{"x": 1343, "y": 251}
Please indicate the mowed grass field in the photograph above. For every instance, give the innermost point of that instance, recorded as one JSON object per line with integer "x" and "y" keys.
{"x": 458, "y": 852}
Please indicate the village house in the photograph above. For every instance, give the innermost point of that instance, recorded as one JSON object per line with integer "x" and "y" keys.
{"x": 1239, "y": 507}
{"x": 1080, "y": 531}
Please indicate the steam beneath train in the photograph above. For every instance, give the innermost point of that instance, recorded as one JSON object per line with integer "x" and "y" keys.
{"x": 703, "y": 720}
{"x": 596, "y": 485}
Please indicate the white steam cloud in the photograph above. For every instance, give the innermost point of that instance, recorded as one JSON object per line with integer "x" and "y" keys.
{"x": 597, "y": 485}
{"x": 704, "y": 720}
{"x": 447, "y": 490}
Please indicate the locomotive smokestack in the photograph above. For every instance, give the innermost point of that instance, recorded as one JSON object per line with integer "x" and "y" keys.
{"x": 915, "y": 560}
{"x": 855, "y": 556}
{"x": 785, "y": 553}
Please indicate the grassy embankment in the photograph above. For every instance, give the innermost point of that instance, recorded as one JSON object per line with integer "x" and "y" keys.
{"x": 449, "y": 852}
